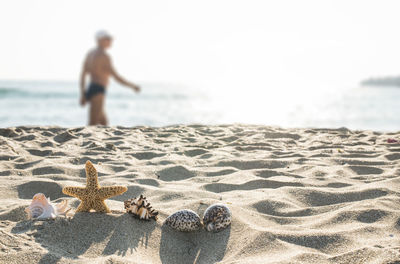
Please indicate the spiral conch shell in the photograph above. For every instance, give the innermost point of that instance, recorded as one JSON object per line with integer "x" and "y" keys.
{"x": 42, "y": 208}
{"x": 140, "y": 208}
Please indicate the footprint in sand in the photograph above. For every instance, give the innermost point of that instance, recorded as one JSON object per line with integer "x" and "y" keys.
{"x": 394, "y": 156}
{"x": 50, "y": 189}
{"x": 365, "y": 170}
{"x": 47, "y": 170}
{"x": 250, "y": 185}
{"x": 253, "y": 164}
{"x": 148, "y": 155}
{"x": 40, "y": 153}
{"x": 195, "y": 152}
{"x": 175, "y": 173}
{"x": 312, "y": 197}
{"x": 64, "y": 137}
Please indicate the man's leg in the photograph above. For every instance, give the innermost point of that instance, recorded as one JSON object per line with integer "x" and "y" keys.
{"x": 103, "y": 119}
{"x": 96, "y": 109}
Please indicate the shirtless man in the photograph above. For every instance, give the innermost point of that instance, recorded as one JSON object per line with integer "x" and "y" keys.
{"x": 99, "y": 67}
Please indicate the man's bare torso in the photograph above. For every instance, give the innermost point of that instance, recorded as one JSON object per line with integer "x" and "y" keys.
{"x": 98, "y": 66}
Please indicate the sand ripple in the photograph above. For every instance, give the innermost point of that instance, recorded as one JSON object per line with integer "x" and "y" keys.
{"x": 296, "y": 195}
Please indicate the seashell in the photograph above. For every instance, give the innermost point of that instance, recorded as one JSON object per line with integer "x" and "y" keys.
{"x": 42, "y": 208}
{"x": 217, "y": 217}
{"x": 140, "y": 208}
{"x": 184, "y": 220}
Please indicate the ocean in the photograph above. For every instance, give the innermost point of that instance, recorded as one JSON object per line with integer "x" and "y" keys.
{"x": 38, "y": 103}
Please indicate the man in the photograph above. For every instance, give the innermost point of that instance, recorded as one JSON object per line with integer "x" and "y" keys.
{"x": 99, "y": 67}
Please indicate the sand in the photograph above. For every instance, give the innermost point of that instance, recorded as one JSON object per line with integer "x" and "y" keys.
{"x": 296, "y": 195}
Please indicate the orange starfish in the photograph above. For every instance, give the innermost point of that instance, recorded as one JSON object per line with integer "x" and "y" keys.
{"x": 93, "y": 195}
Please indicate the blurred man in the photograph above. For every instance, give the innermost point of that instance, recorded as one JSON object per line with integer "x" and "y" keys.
{"x": 99, "y": 67}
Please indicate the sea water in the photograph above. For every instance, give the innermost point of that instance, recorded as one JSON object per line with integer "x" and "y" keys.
{"x": 39, "y": 103}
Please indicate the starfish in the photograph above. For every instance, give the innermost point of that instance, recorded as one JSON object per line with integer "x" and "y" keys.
{"x": 93, "y": 195}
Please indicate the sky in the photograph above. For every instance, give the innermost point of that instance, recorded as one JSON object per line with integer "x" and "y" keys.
{"x": 238, "y": 45}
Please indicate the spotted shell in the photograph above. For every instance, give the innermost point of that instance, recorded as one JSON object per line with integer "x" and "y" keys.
{"x": 140, "y": 208}
{"x": 184, "y": 220}
{"x": 42, "y": 208}
{"x": 217, "y": 217}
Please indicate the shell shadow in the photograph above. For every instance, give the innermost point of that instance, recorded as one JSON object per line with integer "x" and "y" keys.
{"x": 193, "y": 247}
{"x": 74, "y": 236}
{"x": 129, "y": 235}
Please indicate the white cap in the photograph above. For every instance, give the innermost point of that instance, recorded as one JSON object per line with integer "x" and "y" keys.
{"x": 102, "y": 34}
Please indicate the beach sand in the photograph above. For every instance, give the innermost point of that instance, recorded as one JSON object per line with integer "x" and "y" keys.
{"x": 296, "y": 195}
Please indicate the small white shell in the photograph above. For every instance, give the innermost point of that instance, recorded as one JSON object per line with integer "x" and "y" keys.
{"x": 217, "y": 217}
{"x": 184, "y": 220}
{"x": 42, "y": 208}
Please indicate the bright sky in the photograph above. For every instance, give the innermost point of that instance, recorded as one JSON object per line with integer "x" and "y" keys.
{"x": 212, "y": 43}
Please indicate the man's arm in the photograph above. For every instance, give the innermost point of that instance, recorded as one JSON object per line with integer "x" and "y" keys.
{"x": 83, "y": 82}
{"x": 119, "y": 78}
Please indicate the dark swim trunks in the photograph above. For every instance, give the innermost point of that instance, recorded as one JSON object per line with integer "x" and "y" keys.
{"x": 94, "y": 89}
